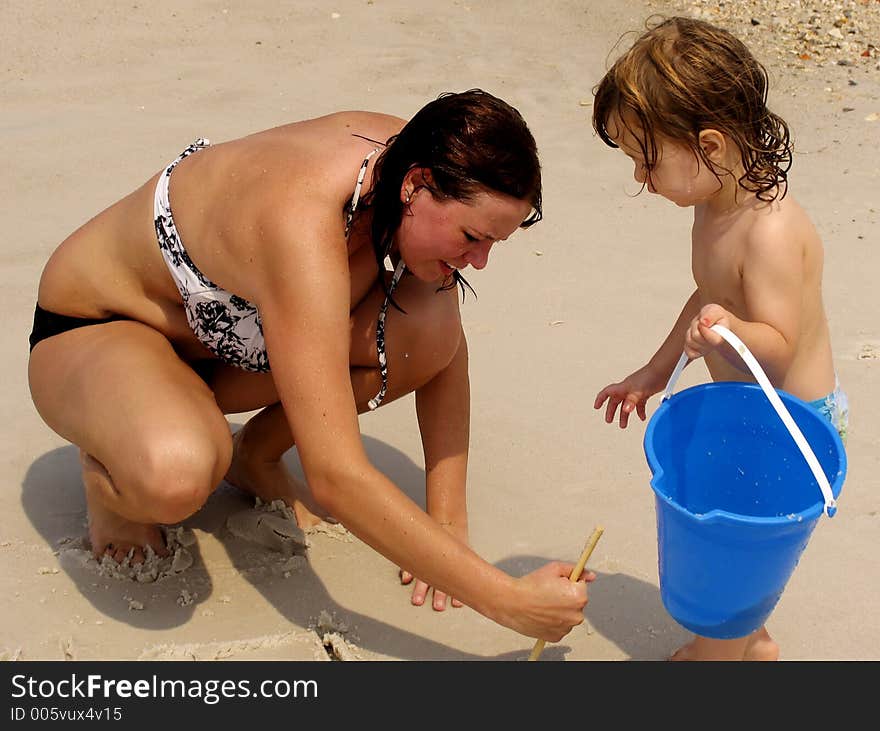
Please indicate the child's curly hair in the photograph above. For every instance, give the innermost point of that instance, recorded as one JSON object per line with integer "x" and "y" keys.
{"x": 684, "y": 75}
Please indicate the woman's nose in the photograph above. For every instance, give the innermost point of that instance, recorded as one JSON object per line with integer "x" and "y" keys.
{"x": 478, "y": 256}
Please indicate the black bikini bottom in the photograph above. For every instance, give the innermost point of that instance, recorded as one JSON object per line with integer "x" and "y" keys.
{"x": 47, "y": 324}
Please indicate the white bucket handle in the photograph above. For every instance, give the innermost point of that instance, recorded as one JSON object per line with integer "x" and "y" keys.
{"x": 764, "y": 382}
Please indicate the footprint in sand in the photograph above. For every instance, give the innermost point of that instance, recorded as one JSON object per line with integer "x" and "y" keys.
{"x": 869, "y": 352}
{"x": 269, "y": 526}
{"x": 78, "y": 554}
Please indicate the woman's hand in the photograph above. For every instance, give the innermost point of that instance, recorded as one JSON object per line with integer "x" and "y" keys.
{"x": 631, "y": 394}
{"x": 550, "y": 603}
{"x": 421, "y": 589}
{"x": 700, "y": 339}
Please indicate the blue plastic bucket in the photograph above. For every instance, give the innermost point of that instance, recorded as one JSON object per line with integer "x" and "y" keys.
{"x": 736, "y": 501}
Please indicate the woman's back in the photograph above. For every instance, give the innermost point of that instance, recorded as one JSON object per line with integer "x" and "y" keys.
{"x": 226, "y": 201}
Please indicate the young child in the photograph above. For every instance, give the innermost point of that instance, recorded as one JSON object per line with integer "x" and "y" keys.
{"x": 687, "y": 104}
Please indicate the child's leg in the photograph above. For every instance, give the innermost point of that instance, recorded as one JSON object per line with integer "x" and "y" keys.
{"x": 756, "y": 646}
{"x": 835, "y": 408}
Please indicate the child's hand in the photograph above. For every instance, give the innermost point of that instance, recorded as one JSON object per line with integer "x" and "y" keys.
{"x": 700, "y": 339}
{"x": 631, "y": 394}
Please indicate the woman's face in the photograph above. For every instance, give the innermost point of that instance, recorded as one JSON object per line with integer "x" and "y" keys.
{"x": 437, "y": 236}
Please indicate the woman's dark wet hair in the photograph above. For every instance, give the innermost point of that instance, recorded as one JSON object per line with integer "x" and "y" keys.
{"x": 472, "y": 142}
{"x": 683, "y": 76}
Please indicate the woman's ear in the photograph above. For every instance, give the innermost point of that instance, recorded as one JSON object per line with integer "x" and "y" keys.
{"x": 414, "y": 179}
{"x": 714, "y": 145}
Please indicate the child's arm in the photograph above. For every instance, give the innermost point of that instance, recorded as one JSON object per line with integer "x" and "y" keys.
{"x": 633, "y": 392}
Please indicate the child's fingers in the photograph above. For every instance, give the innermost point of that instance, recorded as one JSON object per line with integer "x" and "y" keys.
{"x": 625, "y": 410}
{"x": 695, "y": 344}
{"x": 709, "y": 335}
{"x": 712, "y": 313}
{"x": 602, "y": 397}
{"x": 611, "y": 409}
{"x": 692, "y": 347}
{"x": 632, "y": 402}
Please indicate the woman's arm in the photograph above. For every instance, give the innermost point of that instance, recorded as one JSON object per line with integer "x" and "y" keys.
{"x": 304, "y": 304}
{"x": 443, "y": 410}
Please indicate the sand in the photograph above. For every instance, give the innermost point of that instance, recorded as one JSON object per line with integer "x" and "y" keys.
{"x": 97, "y": 96}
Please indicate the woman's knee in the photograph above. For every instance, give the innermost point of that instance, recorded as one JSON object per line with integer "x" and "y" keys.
{"x": 174, "y": 474}
{"x": 429, "y": 334}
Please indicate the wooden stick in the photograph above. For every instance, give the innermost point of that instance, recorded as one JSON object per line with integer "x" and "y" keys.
{"x": 575, "y": 573}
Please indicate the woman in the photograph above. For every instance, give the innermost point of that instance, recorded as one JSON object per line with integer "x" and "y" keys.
{"x": 152, "y": 324}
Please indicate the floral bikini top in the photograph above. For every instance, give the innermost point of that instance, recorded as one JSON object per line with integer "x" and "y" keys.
{"x": 229, "y": 325}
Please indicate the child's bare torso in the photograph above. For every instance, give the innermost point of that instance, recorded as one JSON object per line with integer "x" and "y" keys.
{"x": 763, "y": 262}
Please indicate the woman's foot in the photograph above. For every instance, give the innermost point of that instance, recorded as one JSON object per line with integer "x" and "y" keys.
{"x": 111, "y": 534}
{"x": 756, "y": 646}
{"x": 270, "y": 480}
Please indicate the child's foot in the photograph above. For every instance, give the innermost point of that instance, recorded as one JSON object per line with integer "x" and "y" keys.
{"x": 756, "y": 646}
{"x": 761, "y": 647}
{"x": 703, "y": 648}
{"x": 112, "y": 535}
{"x": 271, "y": 481}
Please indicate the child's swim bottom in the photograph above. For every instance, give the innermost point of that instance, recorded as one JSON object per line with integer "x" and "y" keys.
{"x": 835, "y": 408}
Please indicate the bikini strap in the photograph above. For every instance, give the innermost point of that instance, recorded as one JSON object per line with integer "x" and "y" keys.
{"x": 376, "y": 401}
{"x": 349, "y": 217}
{"x": 199, "y": 144}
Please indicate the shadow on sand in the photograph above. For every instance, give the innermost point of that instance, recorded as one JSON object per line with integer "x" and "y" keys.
{"x": 623, "y": 609}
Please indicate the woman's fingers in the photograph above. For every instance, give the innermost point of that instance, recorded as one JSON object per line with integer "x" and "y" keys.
{"x": 420, "y": 592}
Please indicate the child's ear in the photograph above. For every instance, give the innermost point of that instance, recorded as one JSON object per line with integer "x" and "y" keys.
{"x": 714, "y": 145}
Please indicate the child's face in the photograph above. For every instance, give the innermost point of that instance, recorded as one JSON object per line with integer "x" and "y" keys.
{"x": 677, "y": 174}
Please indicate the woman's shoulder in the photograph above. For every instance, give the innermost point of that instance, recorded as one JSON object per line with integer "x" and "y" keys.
{"x": 374, "y": 126}
{"x": 314, "y": 156}
{"x": 380, "y": 120}
{"x": 321, "y": 148}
